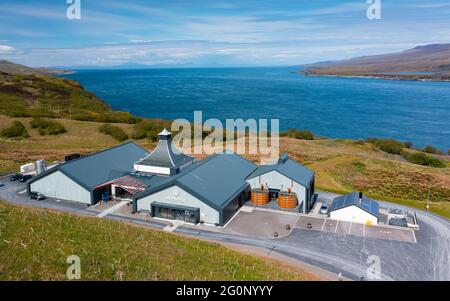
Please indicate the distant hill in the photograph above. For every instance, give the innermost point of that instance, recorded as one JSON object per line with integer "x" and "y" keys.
{"x": 33, "y": 95}
{"x": 12, "y": 68}
{"x": 429, "y": 62}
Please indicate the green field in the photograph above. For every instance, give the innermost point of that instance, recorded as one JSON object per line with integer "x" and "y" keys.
{"x": 35, "y": 244}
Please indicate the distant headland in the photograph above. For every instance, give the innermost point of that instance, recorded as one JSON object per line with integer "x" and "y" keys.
{"x": 422, "y": 63}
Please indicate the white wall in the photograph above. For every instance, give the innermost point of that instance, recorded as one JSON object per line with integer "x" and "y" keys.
{"x": 59, "y": 186}
{"x": 152, "y": 169}
{"x": 353, "y": 214}
{"x": 176, "y": 196}
{"x": 276, "y": 180}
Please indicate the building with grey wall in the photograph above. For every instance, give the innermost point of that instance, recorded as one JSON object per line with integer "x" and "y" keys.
{"x": 284, "y": 175}
{"x": 80, "y": 180}
{"x": 169, "y": 184}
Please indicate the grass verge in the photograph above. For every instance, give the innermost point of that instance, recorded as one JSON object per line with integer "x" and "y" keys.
{"x": 35, "y": 244}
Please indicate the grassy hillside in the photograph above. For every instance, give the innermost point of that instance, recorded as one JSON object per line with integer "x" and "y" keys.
{"x": 35, "y": 244}
{"x": 346, "y": 165}
{"x": 9, "y": 67}
{"x": 44, "y": 96}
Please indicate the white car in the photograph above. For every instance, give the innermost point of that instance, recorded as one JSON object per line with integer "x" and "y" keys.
{"x": 324, "y": 208}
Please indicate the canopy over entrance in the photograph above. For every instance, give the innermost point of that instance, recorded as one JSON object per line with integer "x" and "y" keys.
{"x": 127, "y": 183}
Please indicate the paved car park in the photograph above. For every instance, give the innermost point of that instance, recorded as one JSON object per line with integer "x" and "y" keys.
{"x": 348, "y": 228}
{"x": 261, "y": 223}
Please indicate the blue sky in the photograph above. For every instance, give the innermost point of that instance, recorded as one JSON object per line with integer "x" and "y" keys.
{"x": 213, "y": 33}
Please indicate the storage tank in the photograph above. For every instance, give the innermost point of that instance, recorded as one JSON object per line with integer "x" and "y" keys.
{"x": 41, "y": 166}
{"x": 287, "y": 200}
{"x": 259, "y": 197}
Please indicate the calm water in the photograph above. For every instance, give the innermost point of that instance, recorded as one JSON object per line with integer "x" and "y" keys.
{"x": 335, "y": 107}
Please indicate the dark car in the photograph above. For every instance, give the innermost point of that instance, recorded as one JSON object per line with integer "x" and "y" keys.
{"x": 25, "y": 178}
{"x": 1, "y": 184}
{"x": 37, "y": 196}
{"x": 15, "y": 177}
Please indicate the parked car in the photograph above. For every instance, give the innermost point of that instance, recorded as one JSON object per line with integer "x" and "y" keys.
{"x": 15, "y": 177}
{"x": 1, "y": 184}
{"x": 37, "y": 196}
{"x": 25, "y": 178}
{"x": 324, "y": 208}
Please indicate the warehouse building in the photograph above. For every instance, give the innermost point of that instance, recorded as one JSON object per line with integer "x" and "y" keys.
{"x": 209, "y": 191}
{"x": 355, "y": 207}
{"x": 286, "y": 175}
{"x": 169, "y": 184}
{"x": 82, "y": 180}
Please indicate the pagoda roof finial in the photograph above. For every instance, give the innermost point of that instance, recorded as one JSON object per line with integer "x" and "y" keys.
{"x": 165, "y": 132}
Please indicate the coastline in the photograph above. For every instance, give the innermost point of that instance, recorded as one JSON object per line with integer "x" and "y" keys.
{"x": 379, "y": 76}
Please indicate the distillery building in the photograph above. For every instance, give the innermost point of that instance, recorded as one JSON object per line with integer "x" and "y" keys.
{"x": 168, "y": 184}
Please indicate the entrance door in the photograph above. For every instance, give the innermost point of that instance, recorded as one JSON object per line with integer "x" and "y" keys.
{"x": 187, "y": 214}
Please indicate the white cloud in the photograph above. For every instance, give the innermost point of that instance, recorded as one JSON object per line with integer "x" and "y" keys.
{"x": 6, "y": 49}
{"x": 197, "y": 53}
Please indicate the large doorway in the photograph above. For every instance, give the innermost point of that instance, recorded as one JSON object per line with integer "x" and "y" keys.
{"x": 273, "y": 194}
{"x": 176, "y": 212}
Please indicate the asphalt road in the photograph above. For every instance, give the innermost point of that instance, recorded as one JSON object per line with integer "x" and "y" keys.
{"x": 428, "y": 259}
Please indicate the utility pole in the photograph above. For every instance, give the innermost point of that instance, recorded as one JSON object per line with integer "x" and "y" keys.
{"x": 428, "y": 200}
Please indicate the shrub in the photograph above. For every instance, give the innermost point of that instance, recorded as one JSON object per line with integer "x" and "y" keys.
{"x": 408, "y": 144}
{"x": 16, "y": 129}
{"x": 147, "y": 129}
{"x": 448, "y": 152}
{"x": 114, "y": 131}
{"x": 47, "y": 127}
{"x": 430, "y": 149}
{"x": 424, "y": 159}
{"x": 298, "y": 134}
{"x": 390, "y": 146}
{"x": 152, "y": 135}
{"x": 106, "y": 116}
{"x": 359, "y": 166}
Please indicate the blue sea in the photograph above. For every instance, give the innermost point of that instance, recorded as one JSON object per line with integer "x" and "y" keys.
{"x": 354, "y": 108}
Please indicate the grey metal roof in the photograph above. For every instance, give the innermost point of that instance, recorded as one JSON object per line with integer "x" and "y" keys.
{"x": 165, "y": 154}
{"x": 98, "y": 168}
{"x": 350, "y": 199}
{"x": 287, "y": 167}
{"x": 148, "y": 179}
{"x": 214, "y": 180}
